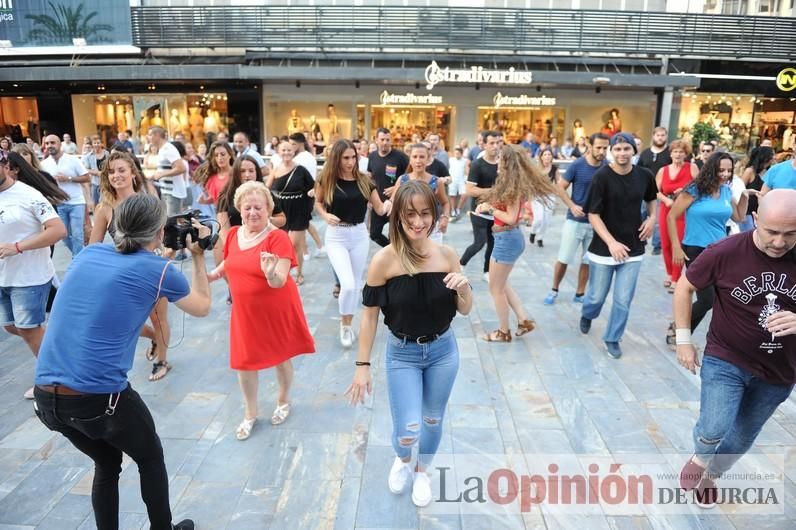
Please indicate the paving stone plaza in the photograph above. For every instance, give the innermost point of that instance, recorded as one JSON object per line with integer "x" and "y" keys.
{"x": 554, "y": 392}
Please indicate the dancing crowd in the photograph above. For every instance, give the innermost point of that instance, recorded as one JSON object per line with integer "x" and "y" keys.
{"x": 727, "y": 233}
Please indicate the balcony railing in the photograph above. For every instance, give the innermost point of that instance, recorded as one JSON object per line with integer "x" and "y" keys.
{"x": 455, "y": 30}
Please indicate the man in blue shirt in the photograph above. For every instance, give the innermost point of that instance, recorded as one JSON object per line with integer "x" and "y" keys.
{"x": 577, "y": 231}
{"x": 782, "y": 175}
{"x": 81, "y": 376}
{"x": 529, "y": 143}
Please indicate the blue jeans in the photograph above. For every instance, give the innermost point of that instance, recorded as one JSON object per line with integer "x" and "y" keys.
{"x": 420, "y": 378}
{"x": 24, "y": 307}
{"x": 600, "y": 277}
{"x": 656, "y": 234}
{"x": 733, "y": 407}
{"x": 72, "y": 217}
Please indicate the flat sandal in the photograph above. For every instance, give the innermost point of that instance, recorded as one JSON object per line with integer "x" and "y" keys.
{"x": 526, "y": 326}
{"x": 499, "y": 336}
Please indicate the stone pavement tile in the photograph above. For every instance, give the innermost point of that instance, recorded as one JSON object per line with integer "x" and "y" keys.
{"x": 439, "y": 522}
{"x": 229, "y": 460}
{"x": 480, "y": 416}
{"x": 470, "y": 440}
{"x": 543, "y": 441}
{"x": 629, "y": 522}
{"x": 677, "y": 426}
{"x": 492, "y": 522}
{"x": 127, "y": 521}
{"x": 32, "y": 434}
{"x": 192, "y": 416}
{"x": 209, "y": 504}
{"x": 11, "y": 460}
{"x": 250, "y": 521}
{"x": 68, "y": 514}
{"x": 518, "y": 376}
{"x": 326, "y": 412}
{"x": 317, "y": 457}
{"x": 533, "y": 409}
{"x": 307, "y": 504}
{"x": 347, "y": 501}
{"x": 16, "y": 527}
{"x": 261, "y": 501}
{"x": 37, "y": 494}
{"x": 470, "y": 387}
{"x": 378, "y": 507}
{"x": 566, "y": 521}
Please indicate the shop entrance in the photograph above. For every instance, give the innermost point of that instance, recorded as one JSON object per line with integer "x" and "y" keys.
{"x": 514, "y": 122}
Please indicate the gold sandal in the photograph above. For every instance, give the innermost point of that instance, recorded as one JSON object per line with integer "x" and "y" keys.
{"x": 498, "y": 336}
{"x": 526, "y": 326}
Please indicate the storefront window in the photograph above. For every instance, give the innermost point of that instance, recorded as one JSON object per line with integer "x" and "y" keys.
{"x": 514, "y": 122}
{"x": 19, "y": 118}
{"x": 742, "y": 121}
{"x": 412, "y": 123}
{"x": 322, "y": 123}
{"x": 198, "y": 117}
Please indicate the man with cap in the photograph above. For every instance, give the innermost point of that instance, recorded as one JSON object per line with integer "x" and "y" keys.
{"x": 615, "y": 253}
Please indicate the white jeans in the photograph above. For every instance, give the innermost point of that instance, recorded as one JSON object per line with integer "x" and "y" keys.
{"x": 347, "y": 249}
{"x": 542, "y": 216}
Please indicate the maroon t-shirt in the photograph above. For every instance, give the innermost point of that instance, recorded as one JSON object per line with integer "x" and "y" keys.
{"x": 750, "y": 286}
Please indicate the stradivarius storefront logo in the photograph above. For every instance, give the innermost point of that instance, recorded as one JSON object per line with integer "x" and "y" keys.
{"x": 475, "y": 74}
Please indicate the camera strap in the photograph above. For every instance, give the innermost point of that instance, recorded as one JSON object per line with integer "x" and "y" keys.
{"x": 160, "y": 283}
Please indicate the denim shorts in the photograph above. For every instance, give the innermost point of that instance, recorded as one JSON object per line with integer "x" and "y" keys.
{"x": 508, "y": 246}
{"x": 24, "y": 307}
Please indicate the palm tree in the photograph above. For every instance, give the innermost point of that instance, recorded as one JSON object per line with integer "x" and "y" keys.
{"x": 66, "y": 24}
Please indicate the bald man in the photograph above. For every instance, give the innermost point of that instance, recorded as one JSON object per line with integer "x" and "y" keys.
{"x": 749, "y": 366}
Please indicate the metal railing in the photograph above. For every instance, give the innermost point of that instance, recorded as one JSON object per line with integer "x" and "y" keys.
{"x": 455, "y": 30}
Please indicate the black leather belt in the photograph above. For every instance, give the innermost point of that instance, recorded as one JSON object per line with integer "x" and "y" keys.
{"x": 425, "y": 339}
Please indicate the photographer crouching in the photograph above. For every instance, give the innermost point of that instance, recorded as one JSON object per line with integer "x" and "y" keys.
{"x": 81, "y": 376}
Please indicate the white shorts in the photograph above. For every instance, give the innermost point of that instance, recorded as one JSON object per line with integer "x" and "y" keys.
{"x": 457, "y": 187}
{"x": 573, "y": 235}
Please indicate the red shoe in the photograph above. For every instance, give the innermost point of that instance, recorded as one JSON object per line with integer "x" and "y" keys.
{"x": 706, "y": 493}
{"x": 691, "y": 474}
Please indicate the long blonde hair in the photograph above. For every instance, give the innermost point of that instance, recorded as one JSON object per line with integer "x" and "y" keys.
{"x": 519, "y": 179}
{"x": 409, "y": 257}
{"x": 330, "y": 174}
{"x": 108, "y": 192}
{"x": 25, "y": 148}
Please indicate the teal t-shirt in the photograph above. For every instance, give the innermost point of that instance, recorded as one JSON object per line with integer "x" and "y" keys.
{"x": 782, "y": 175}
{"x": 706, "y": 218}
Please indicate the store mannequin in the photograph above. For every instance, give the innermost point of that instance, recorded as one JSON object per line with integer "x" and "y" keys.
{"x": 211, "y": 122}
{"x": 578, "y": 131}
{"x": 143, "y": 125}
{"x": 174, "y": 122}
{"x": 294, "y": 122}
{"x": 331, "y": 115}
{"x": 157, "y": 121}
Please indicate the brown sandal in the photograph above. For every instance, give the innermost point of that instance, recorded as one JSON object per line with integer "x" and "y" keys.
{"x": 498, "y": 336}
{"x": 526, "y": 326}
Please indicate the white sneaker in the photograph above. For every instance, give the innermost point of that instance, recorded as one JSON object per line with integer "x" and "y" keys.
{"x": 308, "y": 257}
{"x": 29, "y": 393}
{"x": 400, "y": 474}
{"x": 346, "y": 336}
{"x": 421, "y": 490}
{"x": 321, "y": 251}
{"x": 486, "y": 277}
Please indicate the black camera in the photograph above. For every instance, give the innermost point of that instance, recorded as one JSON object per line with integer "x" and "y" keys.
{"x": 178, "y": 227}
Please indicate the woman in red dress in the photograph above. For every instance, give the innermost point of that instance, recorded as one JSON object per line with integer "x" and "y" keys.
{"x": 672, "y": 179}
{"x": 268, "y": 326}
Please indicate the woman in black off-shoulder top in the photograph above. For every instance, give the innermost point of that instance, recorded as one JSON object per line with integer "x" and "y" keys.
{"x": 419, "y": 287}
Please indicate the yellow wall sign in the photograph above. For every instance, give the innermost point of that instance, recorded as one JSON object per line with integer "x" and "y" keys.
{"x": 786, "y": 79}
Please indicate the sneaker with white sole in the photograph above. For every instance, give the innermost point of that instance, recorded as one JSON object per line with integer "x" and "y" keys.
{"x": 421, "y": 490}
{"x": 29, "y": 393}
{"x": 550, "y": 299}
{"x": 346, "y": 336}
{"x": 321, "y": 251}
{"x": 400, "y": 475}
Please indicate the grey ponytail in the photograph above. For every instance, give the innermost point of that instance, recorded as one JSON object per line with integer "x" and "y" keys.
{"x": 138, "y": 219}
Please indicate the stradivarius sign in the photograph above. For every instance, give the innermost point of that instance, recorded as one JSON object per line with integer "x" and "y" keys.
{"x": 475, "y": 74}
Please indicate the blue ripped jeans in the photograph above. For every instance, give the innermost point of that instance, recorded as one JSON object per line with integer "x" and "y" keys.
{"x": 420, "y": 378}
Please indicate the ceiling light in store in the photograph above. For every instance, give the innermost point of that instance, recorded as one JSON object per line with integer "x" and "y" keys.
{"x": 117, "y": 101}
{"x": 601, "y": 80}
{"x": 19, "y": 97}
{"x": 6, "y": 44}
{"x": 201, "y": 87}
{"x": 15, "y": 85}
{"x": 738, "y": 97}
{"x": 79, "y": 42}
